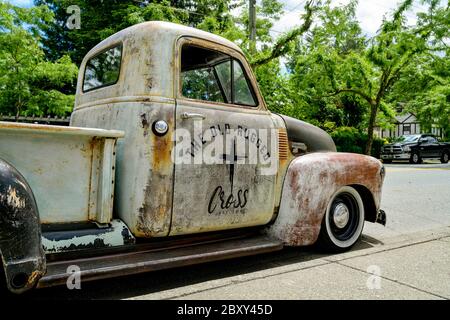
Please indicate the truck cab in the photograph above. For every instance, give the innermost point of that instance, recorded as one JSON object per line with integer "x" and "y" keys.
{"x": 184, "y": 163}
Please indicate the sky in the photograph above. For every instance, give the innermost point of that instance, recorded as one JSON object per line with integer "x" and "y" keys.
{"x": 369, "y": 13}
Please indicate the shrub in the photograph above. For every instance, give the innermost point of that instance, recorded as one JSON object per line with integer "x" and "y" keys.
{"x": 349, "y": 139}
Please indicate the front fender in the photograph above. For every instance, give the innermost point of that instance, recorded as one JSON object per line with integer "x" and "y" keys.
{"x": 20, "y": 231}
{"x": 311, "y": 180}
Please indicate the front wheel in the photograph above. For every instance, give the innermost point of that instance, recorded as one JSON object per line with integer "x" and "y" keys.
{"x": 415, "y": 158}
{"x": 343, "y": 222}
{"x": 445, "y": 157}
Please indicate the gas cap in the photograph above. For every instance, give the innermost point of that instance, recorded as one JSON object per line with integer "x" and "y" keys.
{"x": 160, "y": 127}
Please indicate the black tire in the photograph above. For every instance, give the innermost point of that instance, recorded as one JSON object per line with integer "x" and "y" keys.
{"x": 343, "y": 221}
{"x": 445, "y": 157}
{"x": 387, "y": 161}
{"x": 415, "y": 158}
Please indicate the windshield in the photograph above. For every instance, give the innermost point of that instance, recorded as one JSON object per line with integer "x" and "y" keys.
{"x": 408, "y": 138}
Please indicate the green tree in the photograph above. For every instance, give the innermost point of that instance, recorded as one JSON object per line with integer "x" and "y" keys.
{"x": 371, "y": 74}
{"x": 425, "y": 87}
{"x": 28, "y": 83}
{"x": 315, "y": 58}
{"x": 100, "y": 19}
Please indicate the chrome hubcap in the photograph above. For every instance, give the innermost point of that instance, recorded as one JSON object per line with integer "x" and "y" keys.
{"x": 415, "y": 157}
{"x": 341, "y": 215}
{"x": 446, "y": 157}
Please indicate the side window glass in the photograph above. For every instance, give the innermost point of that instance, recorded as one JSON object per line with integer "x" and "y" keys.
{"x": 201, "y": 84}
{"x": 242, "y": 92}
{"x": 198, "y": 76}
{"x": 224, "y": 73}
{"x": 214, "y": 76}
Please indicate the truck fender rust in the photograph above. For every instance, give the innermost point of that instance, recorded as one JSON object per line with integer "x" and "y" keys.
{"x": 311, "y": 180}
{"x": 20, "y": 231}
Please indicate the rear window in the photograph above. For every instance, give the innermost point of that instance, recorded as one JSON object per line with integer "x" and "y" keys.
{"x": 103, "y": 69}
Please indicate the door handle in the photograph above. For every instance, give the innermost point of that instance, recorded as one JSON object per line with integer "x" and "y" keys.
{"x": 187, "y": 115}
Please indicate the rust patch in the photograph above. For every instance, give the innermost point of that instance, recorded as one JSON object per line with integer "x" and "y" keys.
{"x": 293, "y": 177}
{"x": 154, "y": 214}
{"x": 144, "y": 124}
{"x": 33, "y": 278}
{"x": 162, "y": 145}
{"x": 149, "y": 83}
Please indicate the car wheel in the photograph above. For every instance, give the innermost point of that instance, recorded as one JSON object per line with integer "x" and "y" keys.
{"x": 343, "y": 221}
{"x": 387, "y": 161}
{"x": 445, "y": 157}
{"x": 415, "y": 158}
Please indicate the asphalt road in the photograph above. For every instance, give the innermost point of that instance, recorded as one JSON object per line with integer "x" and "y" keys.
{"x": 415, "y": 198}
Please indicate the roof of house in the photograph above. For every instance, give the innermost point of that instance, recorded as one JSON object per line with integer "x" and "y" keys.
{"x": 406, "y": 118}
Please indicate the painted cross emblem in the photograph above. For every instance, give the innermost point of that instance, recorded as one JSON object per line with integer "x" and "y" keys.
{"x": 231, "y": 160}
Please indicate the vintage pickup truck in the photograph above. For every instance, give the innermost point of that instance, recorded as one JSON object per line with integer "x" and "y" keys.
{"x": 171, "y": 159}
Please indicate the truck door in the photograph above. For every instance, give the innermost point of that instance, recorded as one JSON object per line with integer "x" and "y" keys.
{"x": 221, "y": 126}
{"x": 426, "y": 147}
{"x": 434, "y": 147}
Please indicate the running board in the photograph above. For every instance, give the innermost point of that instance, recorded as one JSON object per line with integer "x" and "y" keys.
{"x": 151, "y": 260}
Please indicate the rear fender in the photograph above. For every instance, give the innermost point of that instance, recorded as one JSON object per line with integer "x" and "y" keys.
{"x": 311, "y": 180}
{"x": 20, "y": 231}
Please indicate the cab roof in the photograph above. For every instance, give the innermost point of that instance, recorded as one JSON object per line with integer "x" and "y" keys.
{"x": 148, "y": 57}
{"x": 171, "y": 31}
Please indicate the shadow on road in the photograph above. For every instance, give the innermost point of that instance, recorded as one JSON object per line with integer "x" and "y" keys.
{"x": 136, "y": 285}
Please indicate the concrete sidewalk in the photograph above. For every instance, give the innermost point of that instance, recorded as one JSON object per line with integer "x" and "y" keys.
{"x": 413, "y": 266}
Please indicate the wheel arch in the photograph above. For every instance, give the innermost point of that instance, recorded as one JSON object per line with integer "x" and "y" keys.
{"x": 310, "y": 183}
{"x": 370, "y": 208}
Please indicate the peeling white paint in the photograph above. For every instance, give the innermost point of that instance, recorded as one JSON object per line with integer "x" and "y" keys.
{"x": 13, "y": 199}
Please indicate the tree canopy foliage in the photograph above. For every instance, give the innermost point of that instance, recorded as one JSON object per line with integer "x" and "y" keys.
{"x": 29, "y": 84}
{"x": 325, "y": 70}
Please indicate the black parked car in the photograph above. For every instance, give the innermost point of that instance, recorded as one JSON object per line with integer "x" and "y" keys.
{"x": 416, "y": 147}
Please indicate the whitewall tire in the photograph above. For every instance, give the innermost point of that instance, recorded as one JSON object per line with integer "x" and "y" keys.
{"x": 343, "y": 221}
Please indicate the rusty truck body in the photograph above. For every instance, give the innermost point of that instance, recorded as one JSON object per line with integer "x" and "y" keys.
{"x": 171, "y": 158}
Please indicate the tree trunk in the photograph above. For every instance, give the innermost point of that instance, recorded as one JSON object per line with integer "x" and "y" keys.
{"x": 18, "y": 108}
{"x": 372, "y": 119}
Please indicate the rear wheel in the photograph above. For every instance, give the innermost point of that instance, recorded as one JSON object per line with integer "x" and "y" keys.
{"x": 343, "y": 221}
{"x": 415, "y": 158}
{"x": 387, "y": 161}
{"x": 445, "y": 157}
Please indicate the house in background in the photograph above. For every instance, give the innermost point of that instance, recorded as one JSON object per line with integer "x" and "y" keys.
{"x": 405, "y": 124}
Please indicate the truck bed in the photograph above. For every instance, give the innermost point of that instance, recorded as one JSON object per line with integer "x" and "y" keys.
{"x": 69, "y": 169}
